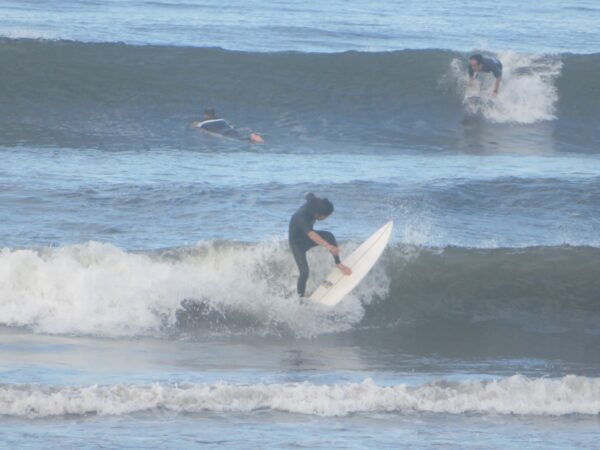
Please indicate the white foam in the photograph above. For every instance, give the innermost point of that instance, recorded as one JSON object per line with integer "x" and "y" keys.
{"x": 516, "y": 395}
{"x": 99, "y": 289}
{"x": 25, "y": 33}
{"x": 527, "y": 91}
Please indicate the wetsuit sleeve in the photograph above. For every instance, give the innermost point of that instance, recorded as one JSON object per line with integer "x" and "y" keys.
{"x": 490, "y": 65}
{"x": 215, "y": 127}
{"x": 220, "y": 127}
{"x": 497, "y": 70}
{"x": 471, "y": 73}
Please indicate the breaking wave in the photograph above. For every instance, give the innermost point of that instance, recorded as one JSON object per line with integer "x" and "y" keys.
{"x": 515, "y": 395}
{"x": 216, "y": 289}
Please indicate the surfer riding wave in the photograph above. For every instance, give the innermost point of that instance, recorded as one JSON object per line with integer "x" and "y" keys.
{"x": 479, "y": 64}
{"x": 302, "y": 237}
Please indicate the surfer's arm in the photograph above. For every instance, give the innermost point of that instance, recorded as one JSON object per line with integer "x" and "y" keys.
{"x": 497, "y": 86}
{"x": 335, "y": 251}
{"x": 314, "y": 236}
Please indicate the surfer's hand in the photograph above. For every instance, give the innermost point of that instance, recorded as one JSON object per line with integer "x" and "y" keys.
{"x": 345, "y": 269}
{"x": 334, "y": 250}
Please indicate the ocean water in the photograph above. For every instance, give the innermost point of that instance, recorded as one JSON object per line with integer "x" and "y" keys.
{"x": 146, "y": 287}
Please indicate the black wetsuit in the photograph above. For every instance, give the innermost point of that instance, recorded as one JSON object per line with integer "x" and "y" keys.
{"x": 301, "y": 224}
{"x": 219, "y": 126}
{"x": 489, "y": 65}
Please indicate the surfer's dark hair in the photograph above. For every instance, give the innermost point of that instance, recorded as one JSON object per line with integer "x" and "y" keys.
{"x": 477, "y": 57}
{"x": 210, "y": 112}
{"x": 319, "y": 206}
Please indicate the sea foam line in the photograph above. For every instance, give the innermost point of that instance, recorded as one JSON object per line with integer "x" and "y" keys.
{"x": 515, "y": 395}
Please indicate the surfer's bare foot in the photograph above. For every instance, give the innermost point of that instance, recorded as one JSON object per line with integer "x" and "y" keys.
{"x": 345, "y": 269}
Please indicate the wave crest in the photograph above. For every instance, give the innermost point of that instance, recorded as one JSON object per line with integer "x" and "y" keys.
{"x": 513, "y": 395}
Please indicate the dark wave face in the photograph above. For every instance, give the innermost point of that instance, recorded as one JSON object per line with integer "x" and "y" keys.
{"x": 545, "y": 289}
{"x": 81, "y": 95}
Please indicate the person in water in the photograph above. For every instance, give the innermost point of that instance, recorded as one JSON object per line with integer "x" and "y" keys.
{"x": 302, "y": 237}
{"x": 213, "y": 124}
{"x": 478, "y": 63}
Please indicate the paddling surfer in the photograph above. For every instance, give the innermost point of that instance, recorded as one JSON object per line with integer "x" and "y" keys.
{"x": 215, "y": 125}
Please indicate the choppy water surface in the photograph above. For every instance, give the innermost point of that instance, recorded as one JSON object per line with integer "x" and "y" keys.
{"x": 146, "y": 287}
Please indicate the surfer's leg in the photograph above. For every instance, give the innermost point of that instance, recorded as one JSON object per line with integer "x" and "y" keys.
{"x": 330, "y": 238}
{"x": 302, "y": 263}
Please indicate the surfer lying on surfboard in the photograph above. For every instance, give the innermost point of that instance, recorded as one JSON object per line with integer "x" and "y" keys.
{"x": 302, "y": 237}
{"x": 215, "y": 125}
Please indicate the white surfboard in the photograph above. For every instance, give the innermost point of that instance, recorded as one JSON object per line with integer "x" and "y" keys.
{"x": 361, "y": 261}
{"x": 474, "y": 96}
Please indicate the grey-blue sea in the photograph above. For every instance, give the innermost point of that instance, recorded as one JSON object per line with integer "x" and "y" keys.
{"x": 147, "y": 294}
